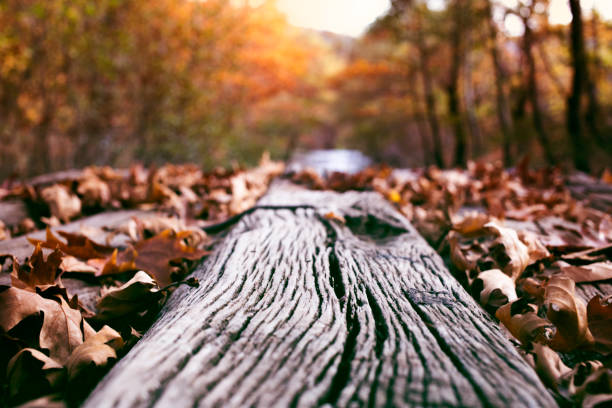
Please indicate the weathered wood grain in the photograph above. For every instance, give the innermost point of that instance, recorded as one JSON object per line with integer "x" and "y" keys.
{"x": 294, "y": 309}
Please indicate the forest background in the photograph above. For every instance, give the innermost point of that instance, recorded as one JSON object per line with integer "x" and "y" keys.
{"x": 110, "y": 82}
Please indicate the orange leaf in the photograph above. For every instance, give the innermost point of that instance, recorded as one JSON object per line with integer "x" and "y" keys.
{"x": 77, "y": 245}
{"x": 37, "y": 271}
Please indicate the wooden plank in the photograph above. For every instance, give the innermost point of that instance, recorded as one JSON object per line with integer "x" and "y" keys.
{"x": 12, "y": 212}
{"x": 294, "y": 309}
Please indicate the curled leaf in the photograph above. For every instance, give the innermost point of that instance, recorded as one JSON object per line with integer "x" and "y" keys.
{"x": 510, "y": 253}
{"x": 136, "y": 295}
{"x": 471, "y": 223}
{"x": 521, "y": 319}
{"x": 62, "y": 203}
{"x": 599, "y": 316}
{"x": 494, "y": 288}
{"x": 567, "y": 312}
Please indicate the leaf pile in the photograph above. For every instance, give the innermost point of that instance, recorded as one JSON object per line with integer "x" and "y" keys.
{"x": 527, "y": 250}
{"x": 183, "y": 191}
{"x": 54, "y": 344}
{"x": 56, "y": 347}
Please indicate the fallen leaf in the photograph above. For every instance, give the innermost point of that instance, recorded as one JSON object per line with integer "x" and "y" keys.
{"x": 37, "y": 272}
{"x": 535, "y": 248}
{"x": 594, "y": 272}
{"x": 335, "y": 217}
{"x": 30, "y": 374}
{"x": 470, "y": 223}
{"x": 136, "y": 295}
{"x": 96, "y": 352}
{"x": 72, "y": 264}
{"x": 93, "y": 190}
{"x": 568, "y": 313}
{"x": 522, "y": 320}
{"x": 62, "y": 203}
{"x": 4, "y": 232}
{"x": 511, "y": 254}
{"x": 76, "y": 245}
{"x": 494, "y": 288}
{"x": 63, "y": 327}
{"x": 599, "y": 316}
{"x": 549, "y": 366}
{"x": 155, "y": 254}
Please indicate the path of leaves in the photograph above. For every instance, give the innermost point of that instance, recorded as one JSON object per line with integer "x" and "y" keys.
{"x": 520, "y": 243}
{"x": 55, "y": 348}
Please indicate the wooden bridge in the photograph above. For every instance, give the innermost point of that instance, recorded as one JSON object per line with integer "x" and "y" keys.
{"x": 295, "y": 309}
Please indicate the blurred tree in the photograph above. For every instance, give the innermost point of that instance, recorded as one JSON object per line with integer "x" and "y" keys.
{"x": 574, "y": 102}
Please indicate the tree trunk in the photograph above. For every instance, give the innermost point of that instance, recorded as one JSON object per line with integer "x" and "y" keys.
{"x": 503, "y": 110}
{"x": 452, "y": 88}
{"x": 532, "y": 94}
{"x": 468, "y": 101}
{"x": 430, "y": 102}
{"x": 574, "y": 102}
{"x": 593, "y": 110}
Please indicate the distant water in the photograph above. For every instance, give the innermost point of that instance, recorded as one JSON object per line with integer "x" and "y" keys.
{"x": 329, "y": 161}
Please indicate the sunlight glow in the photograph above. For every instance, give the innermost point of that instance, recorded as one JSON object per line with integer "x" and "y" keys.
{"x": 352, "y": 17}
{"x": 348, "y": 17}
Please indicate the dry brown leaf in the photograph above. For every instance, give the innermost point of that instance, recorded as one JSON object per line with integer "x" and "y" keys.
{"x": 37, "y": 272}
{"x": 594, "y": 272}
{"x": 549, "y": 366}
{"x": 568, "y": 313}
{"x": 30, "y": 374}
{"x": 118, "y": 262}
{"x": 471, "y": 223}
{"x": 596, "y": 389}
{"x": 76, "y": 245}
{"x": 96, "y": 352}
{"x": 522, "y": 321}
{"x": 63, "y": 328}
{"x": 599, "y": 315}
{"x": 138, "y": 294}
{"x": 464, "y": 257}
{"x": 571, "y": 381}
{"x": 535, "y": 248}
{"x": 155, "y": 254}
{"x": 62, "y": 203}
{"x": 509, "y": 252}
{"x": 72, "y": 264}
{"x": 494, "y": 288}
{"x": 93, "y": 190}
